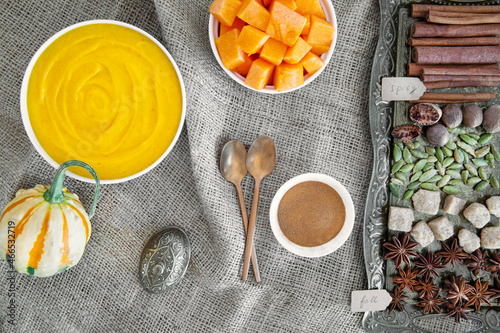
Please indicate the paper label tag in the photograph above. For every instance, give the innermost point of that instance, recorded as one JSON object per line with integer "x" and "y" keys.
{"x": 402, "y": 88}
{"x": 370, "y": 300}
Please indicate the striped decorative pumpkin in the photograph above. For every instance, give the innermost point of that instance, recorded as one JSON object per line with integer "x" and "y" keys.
{"x": 48, "y": 227}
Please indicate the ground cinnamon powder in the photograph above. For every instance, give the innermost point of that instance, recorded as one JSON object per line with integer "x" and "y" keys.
{"x": 311, "y": 214}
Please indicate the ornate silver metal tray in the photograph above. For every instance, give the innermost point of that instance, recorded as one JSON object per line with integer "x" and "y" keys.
{"x": 391, "y": 57}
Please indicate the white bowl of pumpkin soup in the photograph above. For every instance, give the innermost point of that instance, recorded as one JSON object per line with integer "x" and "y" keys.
{"x": 312, "y": 215}
{"x": 106, "y": 93}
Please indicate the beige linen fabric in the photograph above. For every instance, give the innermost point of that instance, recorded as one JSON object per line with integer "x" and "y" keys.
{"x": 322, "y": 127}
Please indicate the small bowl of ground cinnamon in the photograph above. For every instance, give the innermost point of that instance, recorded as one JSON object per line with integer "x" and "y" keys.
{"x": 312, "y": 215}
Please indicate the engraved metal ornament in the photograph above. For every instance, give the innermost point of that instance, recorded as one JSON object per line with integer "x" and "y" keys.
{"x": 388, "y": 63}
{"x": 164, "y": 260}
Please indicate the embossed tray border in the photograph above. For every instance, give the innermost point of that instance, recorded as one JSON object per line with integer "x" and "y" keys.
{"x": 381, "y": 118}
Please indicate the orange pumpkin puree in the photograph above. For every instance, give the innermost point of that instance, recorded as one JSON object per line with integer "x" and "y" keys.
{"x": 106, "y": 95}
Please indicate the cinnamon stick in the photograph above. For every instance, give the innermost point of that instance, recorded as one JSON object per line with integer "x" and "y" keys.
{"x": 461, "y": 41}
{"x": 424, "y": 29}
{"x": 434, "y": 55}
{"x": 459, "y": 84}
{"x": 489, "y": 69}
{"x": 462, "y": 18}
{"x": 477, "y": 78}
{"x": 444, "y": 98}
{"x": 421, "y": 10}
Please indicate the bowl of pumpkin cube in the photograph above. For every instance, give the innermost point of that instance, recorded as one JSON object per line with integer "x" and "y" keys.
{"x": 273, "y": 46}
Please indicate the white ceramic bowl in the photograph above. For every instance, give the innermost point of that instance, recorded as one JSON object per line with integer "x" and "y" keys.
{"x": 24, "y": 107}
{"x": 332, "y": 245}
{"x": 213, "y": 34}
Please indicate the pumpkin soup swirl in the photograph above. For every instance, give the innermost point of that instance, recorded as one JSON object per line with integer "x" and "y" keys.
{"x": 106, "y": 95}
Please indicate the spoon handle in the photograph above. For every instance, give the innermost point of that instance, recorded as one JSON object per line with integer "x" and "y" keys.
{"x": 251, "y": 230}
{"x": 244, "y": 216}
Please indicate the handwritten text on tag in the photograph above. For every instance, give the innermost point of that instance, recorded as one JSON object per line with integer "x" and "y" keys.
{"x": 402, "y": 88}
{"x": 370, "y": 300}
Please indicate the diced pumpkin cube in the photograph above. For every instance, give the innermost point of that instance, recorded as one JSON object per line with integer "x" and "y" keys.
{"x": 225, "y": 10}
{"x": 245, "y": 67}
{"x": 295, "y": 53}
{"x": 259, "y": 74}
{"x": 288, "y": 76}
{"x": 238, "y": 24}
{"x": 273, "y": 51}
{"x": 251, "y": 39}
{"x": 305, "y": 31}
{"x": 289, "y": 3}
{"x": 285, "y": 25}
{"x": 230, "y": 55}
{"x": 312, "y": 7}
{"x": 320, "y": 35}
{"x": 254, "y": 14}
{"x": 312, "y": 63}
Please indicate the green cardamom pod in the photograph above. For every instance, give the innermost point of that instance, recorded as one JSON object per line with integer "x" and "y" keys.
{"x": 456, "y": 130}
{"x": 413, "y": 185}
{"x": 482, "y": 151}
{"x": 454, "y": 166}
{"x": 401, "y": 176}
{"x": 473, "y": 181}
{"x": 482, "y": 173}
{"x": 493, "y": 182}
{"x": 468, "y": 149}
{"x": 432, "y": 159}
{"x": 427, "y": 175}
{"x": 394, "y": 189}
{"x": 406, "y": 168}
{"x": 495, "y": 153}
{"x": 455, "y": 182}
{"x": 479, "y": 162}
{"x": 440, "y": 168}
{"x": 408, "y": 194}
{"x": 418, "y": 153}
{"x": 484, "y": 138}
{"x": 430, "y": 150}
{"x": 465, "y": 176}
{"x": 447, "y": 161}
{"x": 399, "y": 144}
{"x": 455, "y": 174}
{"x": 471, "y": 169}
{"x": 415, "y": 176}
{"x": 475, "y": 136}
{"x": 436, "y": 178}
{"x": 447, "y": 151}
{"x": 429, "y": 186}
{"x": 419, "y": 166}
{"x": 407, "y": 155}
{"x": 451, "y": 190}
{"x": 467, "y": 139}
{"x": 428, "y": 166}
{"x": 439, "y": 155}
{"x": 397, "y": 153}
{"x": 451, "y": 145}
{"x": 481, "y": 185}
{"x": 396, "y": 166}
{"x": 444, "y": 181}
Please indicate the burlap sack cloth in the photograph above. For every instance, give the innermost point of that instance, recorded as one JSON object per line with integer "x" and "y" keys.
{"x": 322, "y": 127}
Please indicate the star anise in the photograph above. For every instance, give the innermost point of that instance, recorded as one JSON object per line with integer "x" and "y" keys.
{"x": 496, "y": 291}
{"x": 458, "y": 290}
{"x": 406, "y": 279}
{"x": 427, "y": 265}
{"x": 431, "y": 304}
{"x": 397, "y": 299}
{"x": 452, "y": 253}
{"x": 477, "y": 261}
{"x": 479, "y": 294}
{"x": 426, "y": 288}
{"x": 458, "y": 311}
{"x": 494, "y": 263}
{"x": 400, "y": 249}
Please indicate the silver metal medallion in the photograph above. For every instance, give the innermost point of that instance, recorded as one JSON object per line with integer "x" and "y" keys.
{"x": 164, "y": 260}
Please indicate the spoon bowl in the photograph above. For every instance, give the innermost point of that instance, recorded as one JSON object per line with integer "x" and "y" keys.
{"x": 232, "y": 161}
{"x": 261, "y": 157}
